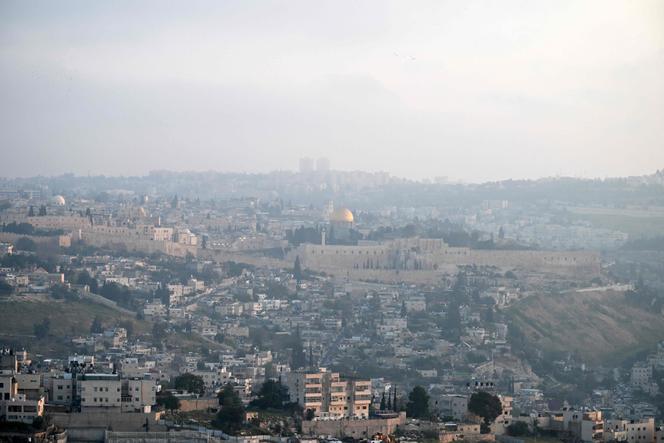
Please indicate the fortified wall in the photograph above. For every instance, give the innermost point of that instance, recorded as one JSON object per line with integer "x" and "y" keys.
{"x": 132, "y": 241}
{"x": 435, "y": 255}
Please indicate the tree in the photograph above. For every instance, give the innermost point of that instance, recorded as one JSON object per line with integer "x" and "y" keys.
{"x": 190, "y": 382}
{"x": 39, "y": 423}
{"x": 272, "y": 395}
{"x": 96, "y": 327}
{"x": 19, "y": 228}
{"x": 297, "y": 269}
{"x": 418, "y": 403}
{"x": 309, "y": 414}
{"x": 42, "y": 329}
{"x": 163, "y": 294}
{"x": 25, "y": 244}
{"x": 487, "y": 406}
{"x": 298, "y": 359}
{"x": 158, "y": 332}
{"x": 42, "y": 210}
{"x": 84, "y": 278}
{"x": 231, "y": 412}
{"x": 31, "y": 211}
{"x": 168, "y": 401}
{"x": 518, "y": 429}
{"x": 453, "y": 322}
{"x": 5, "y": 288}
{"x": 382, "y": 402}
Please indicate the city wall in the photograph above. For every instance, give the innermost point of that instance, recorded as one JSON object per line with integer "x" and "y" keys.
{"x": 434, "y": 257}
{"x": 145, "y": 246}
{"x": 53, "y": 241}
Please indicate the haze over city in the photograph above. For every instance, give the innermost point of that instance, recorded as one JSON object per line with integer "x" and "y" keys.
{"x": 470, "y": 90}
{"x": 316, "y": 221}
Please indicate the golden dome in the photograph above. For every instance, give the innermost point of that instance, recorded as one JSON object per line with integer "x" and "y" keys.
{"x": 342, "y": 215}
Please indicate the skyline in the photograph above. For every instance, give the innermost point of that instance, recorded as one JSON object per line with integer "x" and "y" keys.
{"x": 475, "y": 92}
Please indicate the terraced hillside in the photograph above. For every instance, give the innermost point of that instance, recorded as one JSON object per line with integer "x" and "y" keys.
{"x": 598, "y": 327}
{"x": 71, "y": 318}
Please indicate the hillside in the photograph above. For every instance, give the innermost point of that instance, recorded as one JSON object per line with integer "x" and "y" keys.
{"x": 68, "y": 319}
{"x": 598, "y": 327}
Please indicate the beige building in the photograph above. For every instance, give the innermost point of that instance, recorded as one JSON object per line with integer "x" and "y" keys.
{"x": 633, "y": 431}
{"x": 15, "y": 404}
{"x": 100, "y": 392}
{"x": 328, "y": 395}
{"x": 640, "y": 376}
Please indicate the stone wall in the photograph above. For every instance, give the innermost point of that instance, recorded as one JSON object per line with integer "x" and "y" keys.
{"x": 143, "y": 245}
{"x": 436, "y": 258}
{"x": 356, "y": 428}
{"x": 91, "y": 426}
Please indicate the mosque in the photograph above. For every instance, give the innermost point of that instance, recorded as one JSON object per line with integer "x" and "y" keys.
{"x": 340, "y": 226}
{"x": 340, "y": 250}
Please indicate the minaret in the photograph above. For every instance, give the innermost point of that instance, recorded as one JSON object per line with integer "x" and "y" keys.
{"x": 322, "y": 237}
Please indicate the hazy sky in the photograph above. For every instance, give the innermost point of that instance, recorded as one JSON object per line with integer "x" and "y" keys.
{"x": 473, "y": 90}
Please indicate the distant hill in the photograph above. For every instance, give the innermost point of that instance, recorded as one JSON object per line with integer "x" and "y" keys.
{"x": 597, "y": 327}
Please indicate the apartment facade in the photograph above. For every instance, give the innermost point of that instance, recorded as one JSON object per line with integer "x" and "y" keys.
{"x": 328, "y": 395}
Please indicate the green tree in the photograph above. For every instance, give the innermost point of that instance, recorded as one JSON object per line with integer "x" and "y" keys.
{"x": 231, "y": 412}
{"x": 382, "y": 402}
{"x": 297, "y": 270}
{"x": 42, "y": 329}
{"x": 96, "y": 327}
{"x": 309, "y": 414}
{"x": 190, "y": 382}
{"x": 84, "y": 278}
{"x": 168, "y": 401}
{"x": 158, "y": 332}
{"x": 518, "y": 429}
{"x": 272, "y": 395}
{"x": 298, "y": 359}
{"x": 31, "y": 211}
{"x": 418, "y": 403}
{"x": 5, "y": 288}
{"x": 487, "y": 406}
{"x": 42, "y": 210}
{"x": 25, "y": 244}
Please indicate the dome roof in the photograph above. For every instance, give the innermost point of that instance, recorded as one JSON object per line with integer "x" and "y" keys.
{"x": 342, "y": 215}
{"x": 59, "y": 200}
